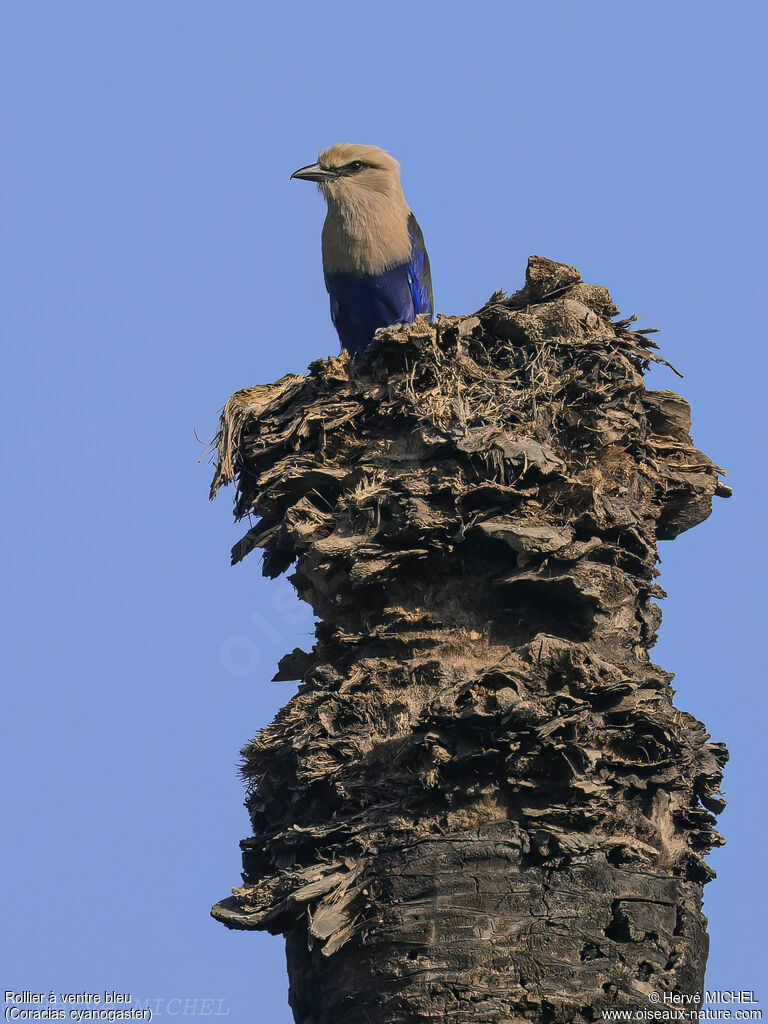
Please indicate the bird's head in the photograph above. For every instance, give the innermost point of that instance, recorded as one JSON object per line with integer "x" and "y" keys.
{"x": 347, "y": 171}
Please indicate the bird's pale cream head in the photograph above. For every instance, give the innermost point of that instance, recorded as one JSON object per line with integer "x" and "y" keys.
{"x": 346, "y": 170}
{"x": 366, "y": 226}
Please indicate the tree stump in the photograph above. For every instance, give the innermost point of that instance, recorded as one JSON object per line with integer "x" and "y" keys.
{"x": 481, "y": 805}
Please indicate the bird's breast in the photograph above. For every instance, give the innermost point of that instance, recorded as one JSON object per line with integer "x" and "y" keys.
{"x": 365, "y": 239}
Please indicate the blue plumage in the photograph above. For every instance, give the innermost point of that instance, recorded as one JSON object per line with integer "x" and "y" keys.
{"x": 361, "y": 303}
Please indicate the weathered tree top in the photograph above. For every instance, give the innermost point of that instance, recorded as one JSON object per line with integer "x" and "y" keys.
{"x": 472, "y": 510}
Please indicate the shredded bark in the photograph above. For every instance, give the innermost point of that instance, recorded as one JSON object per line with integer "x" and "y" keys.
{"x": 482, "y": 804}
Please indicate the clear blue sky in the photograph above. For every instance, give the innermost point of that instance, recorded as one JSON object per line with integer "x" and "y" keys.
{"x": 155, "y": 257}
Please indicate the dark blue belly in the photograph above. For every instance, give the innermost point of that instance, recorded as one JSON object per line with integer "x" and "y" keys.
{"x": 362, "y": 304}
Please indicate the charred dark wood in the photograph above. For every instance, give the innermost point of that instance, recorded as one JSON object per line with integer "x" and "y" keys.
{"x": 482, "y": 805}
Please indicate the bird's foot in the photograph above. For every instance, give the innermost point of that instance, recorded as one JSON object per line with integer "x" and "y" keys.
{"x": 390, "y": 327}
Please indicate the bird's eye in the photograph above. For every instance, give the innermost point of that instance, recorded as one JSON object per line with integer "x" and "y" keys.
{"x": 356, "y": 165}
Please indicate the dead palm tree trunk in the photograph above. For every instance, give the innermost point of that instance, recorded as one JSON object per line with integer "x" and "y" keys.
{"x": 482, "y": 805}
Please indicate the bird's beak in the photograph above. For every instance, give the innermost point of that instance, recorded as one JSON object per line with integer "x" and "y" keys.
{"x": 314, "y": 172}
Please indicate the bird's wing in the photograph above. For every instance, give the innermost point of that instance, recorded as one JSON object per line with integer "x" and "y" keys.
{"x": 419, "y": 273}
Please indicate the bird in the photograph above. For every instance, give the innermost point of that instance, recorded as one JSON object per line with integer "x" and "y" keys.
{"x": 375, "y": 263}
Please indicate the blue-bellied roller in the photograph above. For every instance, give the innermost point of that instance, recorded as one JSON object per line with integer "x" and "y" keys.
{"x": 374, "y": 260}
